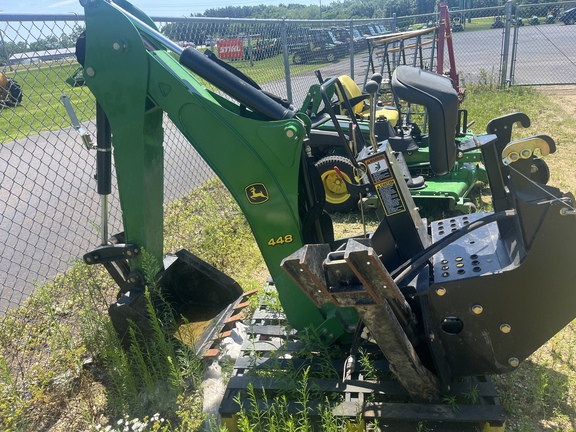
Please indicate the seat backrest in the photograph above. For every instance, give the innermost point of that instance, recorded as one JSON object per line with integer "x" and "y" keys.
{"x": 436, "y": 93}
{"x": 352, "y": 90}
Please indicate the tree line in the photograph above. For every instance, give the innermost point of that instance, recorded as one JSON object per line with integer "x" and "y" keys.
{"x": 350, "y": 9}
{"x": 342, "y": 9}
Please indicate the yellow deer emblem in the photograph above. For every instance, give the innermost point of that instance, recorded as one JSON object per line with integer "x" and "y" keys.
{"x": 256, "y": 193}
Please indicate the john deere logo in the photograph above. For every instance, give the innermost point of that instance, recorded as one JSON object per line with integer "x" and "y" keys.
{"x": 256, "y": 193}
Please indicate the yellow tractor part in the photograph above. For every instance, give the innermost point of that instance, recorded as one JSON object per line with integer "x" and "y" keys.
{"x": 10, "y": 91}
{"x": 362, "y": 109}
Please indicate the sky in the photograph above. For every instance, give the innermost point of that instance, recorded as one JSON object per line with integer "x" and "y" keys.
{"x": 167, "y": 8}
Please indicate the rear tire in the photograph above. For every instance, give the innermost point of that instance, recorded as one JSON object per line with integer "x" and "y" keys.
{"x": 337, "y": 197}
{"x": 297, "y": 59}
{"x": 330, "y": 57}
{"x": 13, "y": 93}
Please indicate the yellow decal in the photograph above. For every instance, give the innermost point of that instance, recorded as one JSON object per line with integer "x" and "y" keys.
{"x": 390, "y": 197}
{"x": 281, "y": 240}
{"x": 256, "y": 193}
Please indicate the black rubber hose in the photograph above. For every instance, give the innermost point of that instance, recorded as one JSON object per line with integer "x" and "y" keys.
{"x": 103, "y": 152}
{"x": 233, "y": 85}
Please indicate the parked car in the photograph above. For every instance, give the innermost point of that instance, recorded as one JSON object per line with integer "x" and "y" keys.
{"x": 367, "y": 30}
{"x": 380, "y": 28}
{"x": 320, "y": 44}
{"x": 568, "y": 16}
{"x": 343, "y": 35}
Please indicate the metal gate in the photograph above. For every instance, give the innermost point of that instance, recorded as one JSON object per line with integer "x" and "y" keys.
{"x": 543, "y": 49}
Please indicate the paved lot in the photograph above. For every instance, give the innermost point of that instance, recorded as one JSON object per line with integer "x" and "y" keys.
{"x": 49, "y": 208}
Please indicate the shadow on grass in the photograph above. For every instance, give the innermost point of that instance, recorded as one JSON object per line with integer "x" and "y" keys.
{"x": 538, "y": 397}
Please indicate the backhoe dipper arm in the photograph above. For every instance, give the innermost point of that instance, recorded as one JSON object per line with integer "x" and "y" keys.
{"x": 257, "y": 156}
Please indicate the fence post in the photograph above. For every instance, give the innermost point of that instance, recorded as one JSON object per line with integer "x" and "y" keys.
{"x": 284, "y": 38}
{"x": 506, "y": 44}
{"x": 514, "y": 46}
{"x": 394, "y": 24}
{"x": 351, "y": 49}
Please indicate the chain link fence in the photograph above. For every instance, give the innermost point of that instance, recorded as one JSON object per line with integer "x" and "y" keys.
{"x": 47, "y": 194}
{"x": 49, "y": 209}
{"x": 542, "y": 44}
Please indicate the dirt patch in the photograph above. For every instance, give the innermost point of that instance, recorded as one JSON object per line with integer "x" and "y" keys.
{"x": 563, "y": 95}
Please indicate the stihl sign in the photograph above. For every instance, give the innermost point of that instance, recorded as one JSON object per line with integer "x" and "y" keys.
{"x": 230, "y": 49}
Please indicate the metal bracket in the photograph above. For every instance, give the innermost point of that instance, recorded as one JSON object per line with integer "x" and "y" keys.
{"x": 524, "y": 148}
{"x": 110, "y": 253}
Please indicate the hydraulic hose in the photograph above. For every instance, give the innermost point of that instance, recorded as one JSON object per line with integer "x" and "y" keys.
{"x": 420, "y": 259}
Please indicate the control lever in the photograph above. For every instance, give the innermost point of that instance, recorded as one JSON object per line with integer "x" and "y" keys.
{"x": 371, "y": 88}
{"x": 355, "y": 189}
{"x": 84, "y": 135}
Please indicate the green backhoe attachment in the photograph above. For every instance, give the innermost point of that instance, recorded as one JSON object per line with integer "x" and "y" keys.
{"x": 469, "y": 295}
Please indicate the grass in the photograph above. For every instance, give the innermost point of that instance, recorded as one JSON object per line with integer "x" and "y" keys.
{"x": 41, "y": 109}
{"x": 62, "y": 368}
{"x": 272, "y": 69}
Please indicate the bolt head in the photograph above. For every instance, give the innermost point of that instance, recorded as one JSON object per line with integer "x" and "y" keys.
{"x": 90, "y": 71}
{"x": 513, "y": 361}
{"x": 477, "y": 309}
{"x": 440, "y": 291}
{"x": 116, "y": 46}
{"x": 505, "y": 328}
{"x": 291, "y": 132}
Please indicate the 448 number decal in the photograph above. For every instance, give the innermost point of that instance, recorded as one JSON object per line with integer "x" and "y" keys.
{"x": 280, "y": 240}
